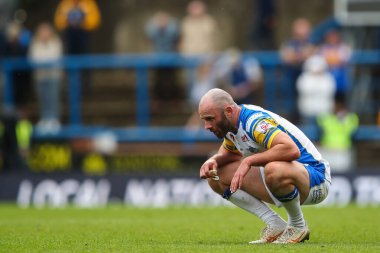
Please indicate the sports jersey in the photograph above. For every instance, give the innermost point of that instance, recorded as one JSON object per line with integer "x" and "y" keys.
{"x": 256, "y": 131}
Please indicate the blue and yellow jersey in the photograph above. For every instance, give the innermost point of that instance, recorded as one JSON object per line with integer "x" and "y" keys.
{"x": 258, "y": 128}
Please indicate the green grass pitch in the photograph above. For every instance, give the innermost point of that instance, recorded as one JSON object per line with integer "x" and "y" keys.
{"x": 178, "y": 229}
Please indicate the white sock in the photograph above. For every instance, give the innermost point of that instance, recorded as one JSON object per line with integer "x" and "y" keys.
{"x": 255, "y": 206}
{"x": 295, "y": 215}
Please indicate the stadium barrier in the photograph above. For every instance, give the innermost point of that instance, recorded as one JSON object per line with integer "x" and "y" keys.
{"x": 57, "y": 191}
{"x": 51, "y": 153}
{"x": 277, "y": 95}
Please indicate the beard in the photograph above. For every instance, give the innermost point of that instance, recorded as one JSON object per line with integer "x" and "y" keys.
{"x": 223, "y": 127}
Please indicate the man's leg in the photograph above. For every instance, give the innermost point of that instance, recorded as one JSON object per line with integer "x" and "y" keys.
{"x": 289, "y": 183}
{"x": 248, "y": 201}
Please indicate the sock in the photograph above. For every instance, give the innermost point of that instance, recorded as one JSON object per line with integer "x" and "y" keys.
{"x": 255, "y": 206}
{"x": 291, "y": 203}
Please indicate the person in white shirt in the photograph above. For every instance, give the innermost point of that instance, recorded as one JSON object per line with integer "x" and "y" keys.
{"x": 316, "y": 89}
{"x": 47, "y": 48}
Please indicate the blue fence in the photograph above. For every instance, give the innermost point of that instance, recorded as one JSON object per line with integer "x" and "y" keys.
{"x": 73, "y": 65}
{"x": 141, "y": 63}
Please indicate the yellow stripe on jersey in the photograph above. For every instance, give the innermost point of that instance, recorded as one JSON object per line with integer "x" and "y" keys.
{"x": 269, "y": 144}
{"x": 230, "y": 146}
{"x": 263, "y": 131}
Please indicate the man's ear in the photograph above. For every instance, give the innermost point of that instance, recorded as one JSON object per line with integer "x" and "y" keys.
{"x": 228, "y": 111}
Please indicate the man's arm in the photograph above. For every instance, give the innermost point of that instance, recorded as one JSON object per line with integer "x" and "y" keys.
{"x": 221, "y": 158}
{"x": 282, "y": 148}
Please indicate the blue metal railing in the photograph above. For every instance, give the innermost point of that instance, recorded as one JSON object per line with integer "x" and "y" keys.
{"x": 178, "y": 134}
{"x": 141, "y": 63}
{"x": 73, "y": 65}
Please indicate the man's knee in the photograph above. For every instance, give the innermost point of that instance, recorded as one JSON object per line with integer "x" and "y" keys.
{"x": 217, "y": 186}
{"x": 274, "y": 175}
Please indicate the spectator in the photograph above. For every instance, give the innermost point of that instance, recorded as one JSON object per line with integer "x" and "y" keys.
{"x": 17, "y": 43}
{"x": 6, "y": 11}
{"x": 316, "y": 86}
{"x": 198, "y": 31}
{"x": 15, "y": 128}
{"x": 293, "y": 53}
{"x": 243, "y": 77}
{"x": 77, "y": 18}
{"x": 15, "y": 138}
{"x": 336, "y": 139}
{"x": 337, "y": 55}
{"x": 163, "y": 34}
{"x": 46, "y": 47}
{"x": 205, "y": 80}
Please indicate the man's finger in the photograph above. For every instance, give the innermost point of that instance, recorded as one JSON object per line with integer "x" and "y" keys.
{"x": 240, "y": 181}
{"x": 233, "y": 189}
{"x": 233, "y": 184}
{"x": 203, "y": 174}
{"x": 207, "y": 173}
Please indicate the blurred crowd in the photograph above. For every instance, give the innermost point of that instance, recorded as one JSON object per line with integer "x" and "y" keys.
{"x": 316, "y": 74}
{"x": 67, "y": 34}
{"x": 46, "y": 44}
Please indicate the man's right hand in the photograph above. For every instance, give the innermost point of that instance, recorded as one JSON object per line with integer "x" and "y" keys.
{"x": 207, "y": 168}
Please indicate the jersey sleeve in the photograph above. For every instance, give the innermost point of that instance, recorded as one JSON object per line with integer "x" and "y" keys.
{"x": 264, "y": 131}
{"x": 230, "y": 146}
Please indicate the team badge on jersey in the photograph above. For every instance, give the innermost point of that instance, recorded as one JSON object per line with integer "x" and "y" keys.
{"x": 265, "y": 130}
{"x": 264, "y": 126}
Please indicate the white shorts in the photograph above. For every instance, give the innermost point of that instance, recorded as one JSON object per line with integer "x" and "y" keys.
{"x": 317, "y": 193}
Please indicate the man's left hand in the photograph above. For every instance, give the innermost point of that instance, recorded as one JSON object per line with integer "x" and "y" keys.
{"x": 237, "y": 180}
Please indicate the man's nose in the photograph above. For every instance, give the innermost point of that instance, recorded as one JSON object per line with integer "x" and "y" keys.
{"x": 207, "y": 126}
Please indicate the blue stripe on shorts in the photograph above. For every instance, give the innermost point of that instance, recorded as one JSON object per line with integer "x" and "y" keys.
{"x": 316, "y": 173}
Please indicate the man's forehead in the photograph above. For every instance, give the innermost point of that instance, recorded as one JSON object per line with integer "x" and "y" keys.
{"x": 206, "y": 105}
{"x": 207, "y": 115}
{"x": 207, "y": 110}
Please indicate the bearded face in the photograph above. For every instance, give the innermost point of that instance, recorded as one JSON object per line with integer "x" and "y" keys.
{"x": 217, "y": 118}
{"x": 222, "y": 126}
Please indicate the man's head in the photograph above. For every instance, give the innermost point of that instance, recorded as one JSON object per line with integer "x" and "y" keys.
{"x": 301, "y": 29}
{"x": 219, "y": 112}
{"x": 161, "y": 19}
{"x": 333, "y": 37}
{"x": 196, "y": 8}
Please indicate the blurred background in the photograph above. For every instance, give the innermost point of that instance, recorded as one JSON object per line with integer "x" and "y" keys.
{"x": 99, "y": 98}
